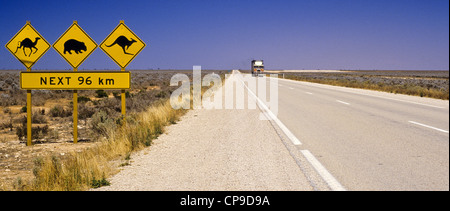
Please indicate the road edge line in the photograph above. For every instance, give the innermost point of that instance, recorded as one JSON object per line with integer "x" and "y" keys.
{"x": 427, "y": 126}
{"x": 323, "y": 172}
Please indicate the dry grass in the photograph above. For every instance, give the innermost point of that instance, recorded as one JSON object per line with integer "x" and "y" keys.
{"x": 91, "y": 167}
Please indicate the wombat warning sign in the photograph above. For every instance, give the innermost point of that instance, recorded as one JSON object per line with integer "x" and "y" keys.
{"x": 75, "y": 45}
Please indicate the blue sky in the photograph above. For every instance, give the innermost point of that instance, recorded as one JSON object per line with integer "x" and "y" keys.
{"x": 228, "y": 34}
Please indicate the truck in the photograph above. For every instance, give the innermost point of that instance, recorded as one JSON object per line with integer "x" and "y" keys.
{"x": 257, "y": 67}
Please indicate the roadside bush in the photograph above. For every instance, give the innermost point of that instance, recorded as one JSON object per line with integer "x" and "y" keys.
{"x": 7, "y": 110}
{"x": 110, "y": 105}
{"x": 116, "y": 95}
{"x": 36, "y": 132}
{"x": 161, "y": 94}
{"x": 83, "y": 99}
{"x": 59, "y": 111}
{"x": 101, "y": 93}
{"x": 7, "y": 125}
{"x": 38, "y": 118}
{"x": 102, "y": 123}
{"x": 85, "y": 112}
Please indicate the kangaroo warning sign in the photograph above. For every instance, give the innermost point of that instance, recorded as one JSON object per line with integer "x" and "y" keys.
{"x": 75, "y": 45}
{"x": 122, "y": 45}
{"x": 28, "y": 45}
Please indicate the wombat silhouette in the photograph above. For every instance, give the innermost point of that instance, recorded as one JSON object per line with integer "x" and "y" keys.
{"x": 27, "y": 43}
{"x": 74, "y": 45}
{"x": 123, "y": 42}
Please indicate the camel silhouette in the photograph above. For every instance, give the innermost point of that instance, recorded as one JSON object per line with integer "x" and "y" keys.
{"x": 26, "y": 43}
{"x": 123, "y": 42}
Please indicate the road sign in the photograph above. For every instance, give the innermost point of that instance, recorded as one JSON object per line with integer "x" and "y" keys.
{"x": 75, "y": 45}
{"x": 122, "y": 45}
{"x": 28, "y": 45}
{"x": 75, "y": 80}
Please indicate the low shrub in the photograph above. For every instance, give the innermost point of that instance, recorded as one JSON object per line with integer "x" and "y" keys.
{"x": 37, "y": 132}
{"x": 59, "y": 111}
{"x": 101, "y": 93}
{"x": 102, "y": 123}
{"x": 83, "y": 99}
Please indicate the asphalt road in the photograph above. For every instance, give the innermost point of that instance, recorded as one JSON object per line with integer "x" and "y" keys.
{"x": 369, "y": 140}
{"x": 322, "y": 138}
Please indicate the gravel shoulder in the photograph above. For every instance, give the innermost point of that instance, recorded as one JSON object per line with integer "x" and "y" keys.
{"x": 214, "y": 150}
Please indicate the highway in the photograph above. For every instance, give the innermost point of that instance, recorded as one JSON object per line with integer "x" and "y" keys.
{"x": 322, "y": 138}
{"x": 368, "y": 140}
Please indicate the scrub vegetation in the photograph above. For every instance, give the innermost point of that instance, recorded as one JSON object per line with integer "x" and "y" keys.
{"x": 106, "y": 138}
{"x": 432, "y": 84}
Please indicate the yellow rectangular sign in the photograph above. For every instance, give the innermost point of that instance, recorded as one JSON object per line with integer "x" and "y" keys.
{"x": 75, "y": 80}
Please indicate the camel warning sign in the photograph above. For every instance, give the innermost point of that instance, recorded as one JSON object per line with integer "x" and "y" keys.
{"x": 28, "y": 45}
{"x": 122, "y": 45}
{"x": 75, "y": 45}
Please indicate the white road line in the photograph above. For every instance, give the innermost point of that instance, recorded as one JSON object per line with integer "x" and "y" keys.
{"x": 272, "y": 116}
{"x": 291, "y": 88}
{"x": 323, "y": 172}
{"x": 309, "y": 93}
{"x": 342, "y": 89}
{"x": 343, "y": 102}
{"x": 424, "y": 125}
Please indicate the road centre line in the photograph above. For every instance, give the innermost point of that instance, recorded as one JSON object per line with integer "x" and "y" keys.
{"x": 427, "y": 126}
{"x": 323, "y": 172}
{"x": 283, "y": 127}
{"x": 309, "y": 93}
{"x": 343, "y": 102}
{"x": 332, "y": 183}
{"x": 323, "y": 86}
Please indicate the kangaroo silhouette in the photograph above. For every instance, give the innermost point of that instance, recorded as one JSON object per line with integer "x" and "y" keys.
{"x": 123, "y": 42}
{"x": 27, "y": 43}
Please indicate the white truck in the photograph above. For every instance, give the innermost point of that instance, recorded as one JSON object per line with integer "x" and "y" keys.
{"x": 257, "y": 67}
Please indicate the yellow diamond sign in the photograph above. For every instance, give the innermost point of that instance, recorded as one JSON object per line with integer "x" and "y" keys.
{"x": 75, "y": 45}
{"x": 122, "y": 45}
{"x": 28, "y": 45}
